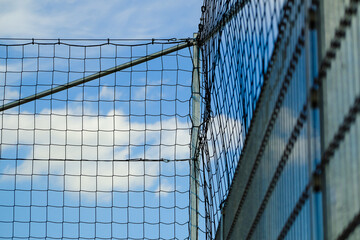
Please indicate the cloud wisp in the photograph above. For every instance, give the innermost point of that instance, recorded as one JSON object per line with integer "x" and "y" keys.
{"x": 90, "y": 153}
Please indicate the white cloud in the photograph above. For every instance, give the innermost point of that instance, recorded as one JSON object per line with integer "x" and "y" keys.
{"x": 227, "y": 132}
{"x": 71, "y": 141}
{"x": 8, "y": 94}
{"x": 165, "y": 188}
{"x": 106, "y": 93}
{"x": 287, "y": 119}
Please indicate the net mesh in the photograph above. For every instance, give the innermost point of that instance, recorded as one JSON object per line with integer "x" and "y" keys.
{"x": 97, "y": 151}
{"x": 106, "y": 159}
{"x": 238, "y": 38}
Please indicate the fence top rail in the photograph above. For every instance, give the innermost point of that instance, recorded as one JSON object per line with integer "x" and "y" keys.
{"x": 90, "y": 42}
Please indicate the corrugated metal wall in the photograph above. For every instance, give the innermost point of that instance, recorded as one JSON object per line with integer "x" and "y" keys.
{"x": 298, "y": 173}
{"x": 339, "y": 45}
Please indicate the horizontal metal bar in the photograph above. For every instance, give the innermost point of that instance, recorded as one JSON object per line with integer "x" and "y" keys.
{"x": 101, "y": 160}
{"x": 94, "y": 39}
{"x": 96, "y": 75}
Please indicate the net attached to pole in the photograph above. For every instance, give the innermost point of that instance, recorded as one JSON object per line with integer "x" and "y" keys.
{"x": 237, "y": 40}
{"x": 105, "y": 159}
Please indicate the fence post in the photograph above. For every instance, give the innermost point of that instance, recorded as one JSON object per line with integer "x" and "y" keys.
{"x": 194, "y": 164}
{"x": 313, "y": 130}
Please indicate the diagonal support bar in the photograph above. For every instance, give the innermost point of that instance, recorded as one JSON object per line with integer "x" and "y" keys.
{"x": 96, "y": 75}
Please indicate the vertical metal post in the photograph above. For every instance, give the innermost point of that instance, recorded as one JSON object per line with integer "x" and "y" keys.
{"x": 313, "y": 129}
{"x": 222, "y": 224}
{"x": 194, "y": 164}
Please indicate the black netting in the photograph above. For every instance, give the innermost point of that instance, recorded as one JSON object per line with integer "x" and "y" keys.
{"x": 105, "y": 159}
{"x": 238, "y": 40}
{"x": 107, "y": 139}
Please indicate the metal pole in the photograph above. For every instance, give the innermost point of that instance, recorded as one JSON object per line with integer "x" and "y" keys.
{"x": 95, "y": 76}
{"x": 313, "y": 129}
{"x": 194, "y": 164}
{"x": 222, "y": 224}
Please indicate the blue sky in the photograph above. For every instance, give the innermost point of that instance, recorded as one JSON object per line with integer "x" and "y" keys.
{"x": 52, "y": 187}
{"x": 137, "y": 114}
{"x": 102, "y": 184}
{"x": 99, "y": 19}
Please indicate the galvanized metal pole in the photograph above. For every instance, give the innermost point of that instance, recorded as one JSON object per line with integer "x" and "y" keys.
{"x": 313, "y": 120}
{"x": 95, "y": 76}
{"x": 194, "y": 164}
